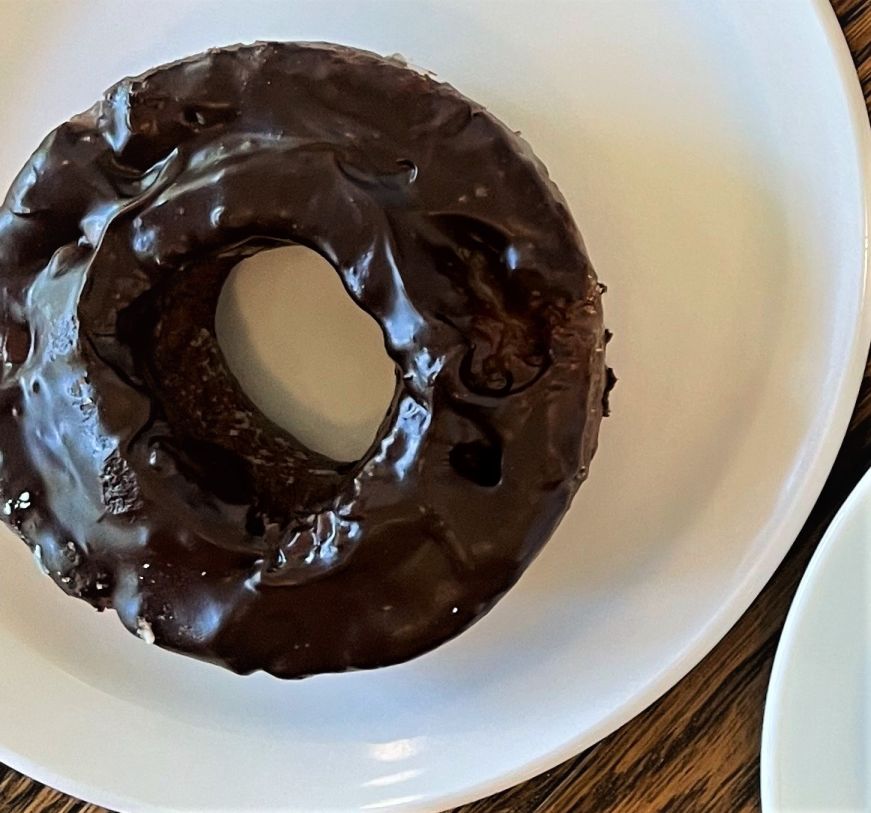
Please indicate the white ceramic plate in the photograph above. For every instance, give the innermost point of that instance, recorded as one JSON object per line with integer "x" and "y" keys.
{"x": 816, "y": 739}
{"x": 715, "y": 155}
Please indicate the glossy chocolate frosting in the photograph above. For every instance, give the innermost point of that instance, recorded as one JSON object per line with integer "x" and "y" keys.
{"x": 146, "y": 481}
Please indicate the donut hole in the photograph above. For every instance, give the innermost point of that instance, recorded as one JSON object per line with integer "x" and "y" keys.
{"x": 307, "y": 356}
{"x": 478, "y": 461}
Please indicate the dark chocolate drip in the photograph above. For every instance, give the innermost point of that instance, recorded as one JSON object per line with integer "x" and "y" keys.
{"x": 145, "y": 479}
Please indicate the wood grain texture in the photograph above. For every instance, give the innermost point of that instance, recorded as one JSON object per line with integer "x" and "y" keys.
{"x": 697, "y": 749}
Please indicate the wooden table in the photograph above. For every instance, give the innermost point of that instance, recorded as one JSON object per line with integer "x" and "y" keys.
{"x": 697, "y": 749}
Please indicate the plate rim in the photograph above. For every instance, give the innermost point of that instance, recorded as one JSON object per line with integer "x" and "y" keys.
{"x": 798, "y": 609}
{"x": 742, "y": 595}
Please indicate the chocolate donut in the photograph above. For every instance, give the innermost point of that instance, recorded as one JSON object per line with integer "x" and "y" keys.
{"x": 141, "y": 475}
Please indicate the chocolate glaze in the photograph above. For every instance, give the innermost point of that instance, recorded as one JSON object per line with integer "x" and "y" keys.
{"x": 142, "y": 476}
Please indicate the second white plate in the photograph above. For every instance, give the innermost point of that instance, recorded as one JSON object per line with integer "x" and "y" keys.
{"x": 816, "y": 739}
